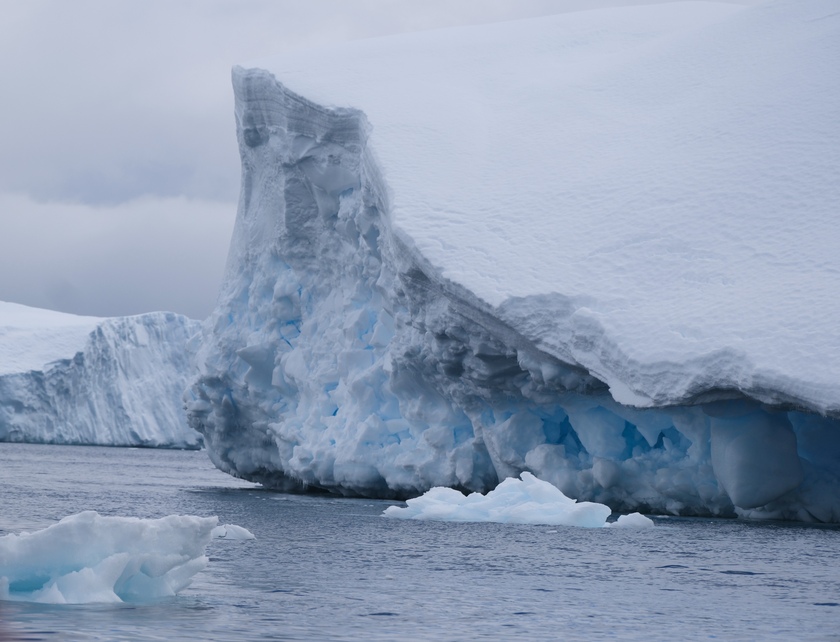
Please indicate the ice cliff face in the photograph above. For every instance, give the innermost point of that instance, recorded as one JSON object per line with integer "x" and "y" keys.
{"x": 600, "y": 248}
{"x": 66, "y": 379}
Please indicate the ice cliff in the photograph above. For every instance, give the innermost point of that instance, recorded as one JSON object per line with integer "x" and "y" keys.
{"x": 599, "y": 247}
{"x": 68, "y": 379}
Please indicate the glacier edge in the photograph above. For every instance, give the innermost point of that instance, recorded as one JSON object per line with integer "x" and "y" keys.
{"x": 339, "y": 359}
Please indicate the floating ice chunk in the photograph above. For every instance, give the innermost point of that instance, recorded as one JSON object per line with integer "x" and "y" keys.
{"x": 232, "y": 531}
{"x": 633, "y": 520}
{"x": 515, "y": 501}
{"x": 90, "y": 558}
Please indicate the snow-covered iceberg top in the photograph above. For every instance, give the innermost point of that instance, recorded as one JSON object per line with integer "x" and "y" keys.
{"x": 650, "y": 192}
{"x": 515, "y": 501}
{"x": 33, "y": 337}
{"x": 597, "y": 247}
{"x": 85, "y": 380}
{"x": 88, "y": 557}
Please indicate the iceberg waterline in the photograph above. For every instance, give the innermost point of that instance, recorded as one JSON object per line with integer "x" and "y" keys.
{"x": 66, "y": 379}
{"x": 348, "y": 354}
{"x": 88, "y": 558}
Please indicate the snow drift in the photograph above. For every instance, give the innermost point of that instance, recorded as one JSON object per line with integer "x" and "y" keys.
{"x": 68, "y": 379}
{"x": 599, "y": 247}
{"x": 91, "y": 558}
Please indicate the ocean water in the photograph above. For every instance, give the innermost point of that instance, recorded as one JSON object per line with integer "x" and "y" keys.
{"x": 324, "y": 568}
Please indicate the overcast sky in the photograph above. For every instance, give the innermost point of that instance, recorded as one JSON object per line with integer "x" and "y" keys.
{"x": 119, "y": 172}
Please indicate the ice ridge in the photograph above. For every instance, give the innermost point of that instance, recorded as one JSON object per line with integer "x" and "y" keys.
{"x": 89, "y": 381}
{"x": 345, "y": 354}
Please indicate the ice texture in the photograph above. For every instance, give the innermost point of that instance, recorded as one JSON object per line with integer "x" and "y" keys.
{"x": 599, "y": 247}
{"x": 88, "y": 558}
{"x": 68, "y": 379}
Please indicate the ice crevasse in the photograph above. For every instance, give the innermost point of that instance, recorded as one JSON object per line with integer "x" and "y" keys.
{"x": 599, "y": 247}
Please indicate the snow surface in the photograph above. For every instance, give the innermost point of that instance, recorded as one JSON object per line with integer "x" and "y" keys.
{"x": 85, "y": 380}
{"x": 599, "y": 247}
{"x": 663, "y": 179}
{"x": 31, "y": 337}
{"x": 514, "y": 501}
{"x": 88, "y": 558}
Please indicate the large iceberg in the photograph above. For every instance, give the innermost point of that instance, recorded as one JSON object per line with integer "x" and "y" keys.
{"x": 601, "y": 247}
{"x": 68, "y": 379}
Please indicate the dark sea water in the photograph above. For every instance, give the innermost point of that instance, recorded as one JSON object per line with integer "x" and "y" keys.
{"x": 323, "y": 568}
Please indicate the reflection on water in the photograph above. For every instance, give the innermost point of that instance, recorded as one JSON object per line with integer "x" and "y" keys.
{"x": 328, "y": 568}
{"x": 6, "y": 632}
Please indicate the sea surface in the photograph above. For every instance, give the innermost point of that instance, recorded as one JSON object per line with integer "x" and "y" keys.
{"x": 325, "y": 568}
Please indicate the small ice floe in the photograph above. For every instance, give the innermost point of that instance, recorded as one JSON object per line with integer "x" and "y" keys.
{"x": 515, "y": 501}
{"x": 633, "y": 520}
{"x": 231, "y": 531}
{"x": 91, "y": 558}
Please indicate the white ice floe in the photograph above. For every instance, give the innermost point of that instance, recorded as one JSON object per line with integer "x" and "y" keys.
{"x": 88, "y": 557}
{"x": 515, "y": 501}
{"x": 67, "y": 379}
{"x": 600, "y": 247}
{"x": 633, "y": 520}
{"x": 232, "y": 531}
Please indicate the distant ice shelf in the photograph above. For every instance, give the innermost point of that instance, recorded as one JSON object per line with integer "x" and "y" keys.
{"x": 599, "y": 247}
{"x": 67, "y": 379}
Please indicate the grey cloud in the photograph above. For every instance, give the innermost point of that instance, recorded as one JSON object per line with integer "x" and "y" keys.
{"x": 151, "y": 254}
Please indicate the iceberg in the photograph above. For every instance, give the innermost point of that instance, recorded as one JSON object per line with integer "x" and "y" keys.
{"x": 598, "y": 247}
{"x": 232, "y": 531}
{"x": 88, "y": 558}
{"x": 67, "y": 379}
{"x": 633, "y": 520}
{"x": 515, "y": 501}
